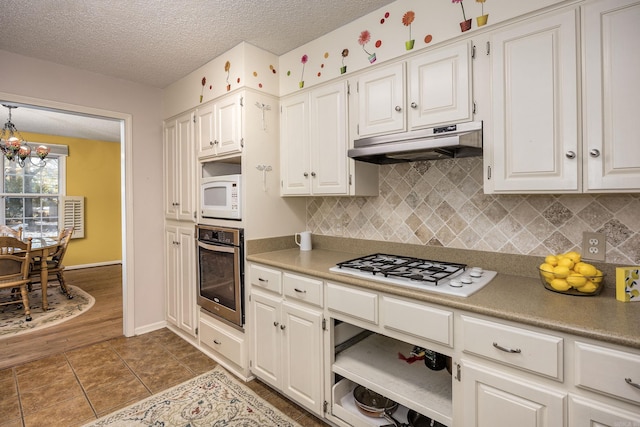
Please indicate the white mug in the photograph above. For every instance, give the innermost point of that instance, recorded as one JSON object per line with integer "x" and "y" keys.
{"x": 303, "y": 240}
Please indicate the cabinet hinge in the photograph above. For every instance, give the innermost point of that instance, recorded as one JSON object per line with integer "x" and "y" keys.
{"x": 324, "y": 324}
{"x": 249, "y": 297}
{"x": 350, "y": 179}
{"x": 325, "y": 406}
{"x": 196, "y": 331}
{"x": 241, "y": 142}
{"x": 474, "y": 107}
{"x": 458, "y": 372}
{"x": 242, "y": 101}
{"x": 488, "y": 172}
{"x": 251, "y": 363}
{"x": 358, "y": 128}
{"x": 473, "y": 52}
{"x": 194, "y": 119}
{"x": 348, "y": 89}
{"x": 488, "y": 49}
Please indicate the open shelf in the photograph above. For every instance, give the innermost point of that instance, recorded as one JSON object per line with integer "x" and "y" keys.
{"x": 374, "y": 363}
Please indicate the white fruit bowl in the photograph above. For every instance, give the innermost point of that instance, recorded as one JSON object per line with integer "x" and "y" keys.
{"x": 547, "y": 276}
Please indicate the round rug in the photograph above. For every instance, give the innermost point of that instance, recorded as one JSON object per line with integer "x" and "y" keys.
{"x": 61, "y": 309}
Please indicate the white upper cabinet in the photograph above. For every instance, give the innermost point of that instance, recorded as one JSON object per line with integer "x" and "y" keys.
{"x": 535, "y": 143}
{"x": 179, "y": 167}
{"x": 549, "y": 133}
{"x": 219, "y": 127}
{"x": 437, "y": 91}
{"x": 611, "y": 94}
{"x": 440, "y": 87}
{"x": 314, "y": 139}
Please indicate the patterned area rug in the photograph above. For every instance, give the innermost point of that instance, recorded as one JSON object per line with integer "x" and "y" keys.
{"x": 12, "y": 318}
{"x": 212, "y": 399}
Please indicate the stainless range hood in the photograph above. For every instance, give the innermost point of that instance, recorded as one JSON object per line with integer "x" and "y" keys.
{"x": 461, "y": 140}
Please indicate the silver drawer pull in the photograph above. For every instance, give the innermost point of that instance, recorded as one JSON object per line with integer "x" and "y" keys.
{"x": 506, "y": 349}
{"x": 631, "y": 383}
{"x": 302, "y": 291}
{"x": 260, "y": 279}
{"x": 217, "y": 342}
{"x": 276, "y": 324}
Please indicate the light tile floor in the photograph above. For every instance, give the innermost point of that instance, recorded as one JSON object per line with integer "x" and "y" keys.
{"x": 75, "y": 387}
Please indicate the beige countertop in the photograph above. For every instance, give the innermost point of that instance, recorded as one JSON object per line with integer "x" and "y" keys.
{"x": 510, "y": 297}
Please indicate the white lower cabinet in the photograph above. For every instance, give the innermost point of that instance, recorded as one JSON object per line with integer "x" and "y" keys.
{"x": 225, "y": 344}
{"x": 180, "y": 265}
{"x": 287, "y": 339}
{"x": 493, "y": 398}
{"x": 589, "y": 412}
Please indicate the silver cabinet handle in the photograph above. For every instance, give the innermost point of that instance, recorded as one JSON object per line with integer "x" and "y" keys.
{"x": 313, "y": 174}
{"x": 210, "y": 142}
{"x": 215, "y": 142}
{"x": 276, "y": 324}
{"x": 506, "y": 349}
{"x": 217, "y": 342}
{"x": 414, "y": 105}
{"x": 631, "y": 383}
{"x": 282, "y": 327}
{"x": 260, "y": 279}
{"x": 305, "y": 174}
{"x": 594, "y": 153}
{"x": 398, "y": 108}
{"x": 570, "y": 155}
{"x": 302, "y": 291}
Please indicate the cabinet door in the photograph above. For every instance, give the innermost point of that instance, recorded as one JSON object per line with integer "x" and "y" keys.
{"x": 228, "y": 130}
{"x": 187, "y": 284}
{"x": 265, "y": 359}
{"x": 171, "y": 274}
{"x": 185, "y": 171}
{"x": 381, "y": 101}
{"x": 535, "y": 111}
{"x": 170, "y": 170}
{"x": 440, "y": 87}
{"x": 612, "y": 90}
{"x": 294, "y": 146}
{"x": 587, "y": 412}
{"x": 495, "y": 399}
{"x": 205, "y": 125}
{"x": 328, "y": 139}
{"x": 302, "y": 355}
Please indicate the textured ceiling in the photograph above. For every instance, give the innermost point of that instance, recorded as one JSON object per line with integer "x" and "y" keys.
{"x": 154, "y": 42}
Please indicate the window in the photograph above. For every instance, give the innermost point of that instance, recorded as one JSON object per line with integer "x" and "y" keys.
{"x": 31, "y": 195}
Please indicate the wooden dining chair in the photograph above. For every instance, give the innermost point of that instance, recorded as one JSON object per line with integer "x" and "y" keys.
{"x": 15, "y": 258}
{"x": 54, "y": 263}
{"x": 5, "y": 230}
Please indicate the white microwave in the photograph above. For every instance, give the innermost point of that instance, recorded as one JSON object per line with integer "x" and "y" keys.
{"x": 220, "y": 197}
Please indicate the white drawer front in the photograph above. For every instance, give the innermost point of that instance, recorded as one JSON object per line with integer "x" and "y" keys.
{"x": 303, "y": 288}
{"x": 606, "y": 371}
{"x": 266, "y": 278}
{"x": 521, "y": 348}
{"x": 417, "y": 319}
{"x": 228, "y": 345}
{"x": 354, "y": 302}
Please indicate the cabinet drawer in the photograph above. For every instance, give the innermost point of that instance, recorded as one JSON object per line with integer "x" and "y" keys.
{"x": 362, "y": 305}
{"x": 606, "y": 371}
{"x": 417, "y": 319}
{"x": 223, "y": 342}
{"x": 521, "y": 348}
{"x": 303, "y": 289}
{"x": 266, "y": 278}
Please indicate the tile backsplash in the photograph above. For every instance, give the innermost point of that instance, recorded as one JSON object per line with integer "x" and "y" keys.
{"x": 442, "y": 203}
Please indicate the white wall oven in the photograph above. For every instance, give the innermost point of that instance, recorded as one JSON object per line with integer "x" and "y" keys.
{"x": 220, "y": 252}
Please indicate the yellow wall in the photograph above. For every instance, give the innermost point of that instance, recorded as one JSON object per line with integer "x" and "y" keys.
{"x": 93, "y": 171}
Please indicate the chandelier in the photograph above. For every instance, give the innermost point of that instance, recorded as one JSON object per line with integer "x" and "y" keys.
{"x": 14, "y": 146}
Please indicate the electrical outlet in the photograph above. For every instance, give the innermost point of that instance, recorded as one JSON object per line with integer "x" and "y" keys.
{"x": 594, "y": 246}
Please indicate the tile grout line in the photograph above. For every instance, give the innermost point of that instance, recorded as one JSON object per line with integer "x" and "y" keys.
{"x": 84, "y": 392}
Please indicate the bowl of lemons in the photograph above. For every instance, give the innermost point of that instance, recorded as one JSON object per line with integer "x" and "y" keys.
{"x": 568, "y": 274}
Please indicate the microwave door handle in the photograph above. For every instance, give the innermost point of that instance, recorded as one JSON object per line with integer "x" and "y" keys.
{"x": 216, "y": 248}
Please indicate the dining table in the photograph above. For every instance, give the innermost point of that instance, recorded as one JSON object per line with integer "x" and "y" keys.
{"x": 41, "y": 247}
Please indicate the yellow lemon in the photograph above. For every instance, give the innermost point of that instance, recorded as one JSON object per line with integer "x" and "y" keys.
{"x": 551, "y": 259}
{"x": 566, "y": 262}
{"x": 573, "y": 256}
{"x": 588, "y": 288}
{"x": 576, "y": 280}
{"x": 597, "y": 278}
{"x": 547, "y": 270}
{"x": 561, "y": 271}
{"x": 578, "y": 266}
{"x": 560, "y": 285}
{"x": 588, "y": 269}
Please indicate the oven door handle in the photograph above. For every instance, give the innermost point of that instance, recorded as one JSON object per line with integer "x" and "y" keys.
{"x": 217, "y": 248}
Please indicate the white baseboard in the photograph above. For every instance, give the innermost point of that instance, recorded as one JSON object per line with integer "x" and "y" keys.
{"x": 95, "y": 264}
{"x": 150, "y": 328}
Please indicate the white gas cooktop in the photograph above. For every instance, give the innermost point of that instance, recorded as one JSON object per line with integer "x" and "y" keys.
{"x": 431, "y": 276}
